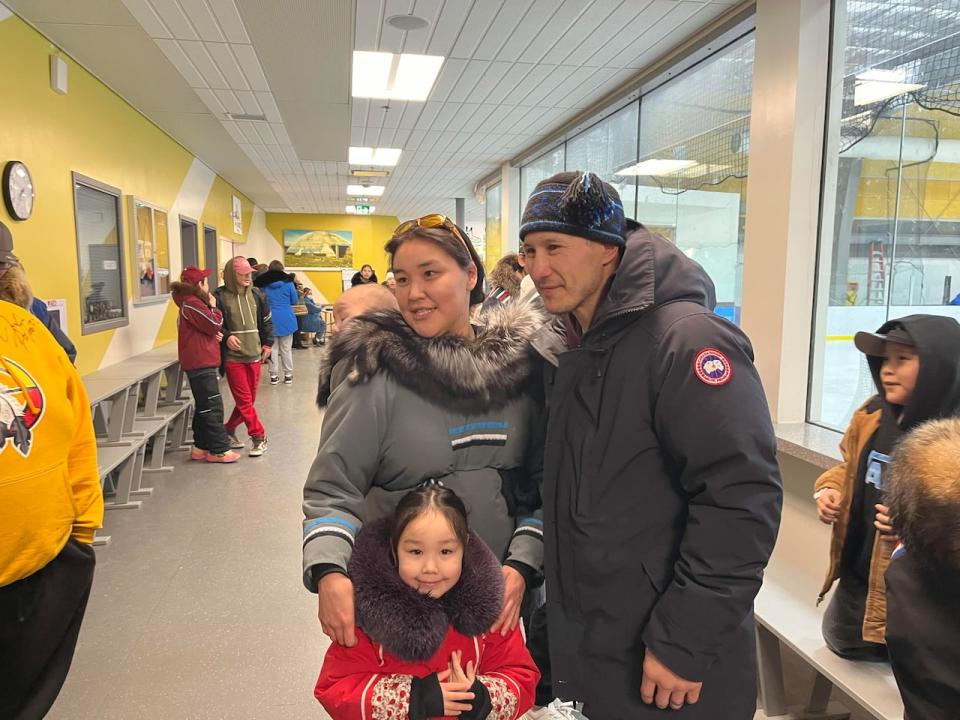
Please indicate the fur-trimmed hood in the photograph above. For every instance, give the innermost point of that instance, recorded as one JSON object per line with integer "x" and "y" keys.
{"x": 408, "y": 624}
{"x": 450, "y": 371}
{"x": 180, "y": 291}
{"x": 923, "y": 493}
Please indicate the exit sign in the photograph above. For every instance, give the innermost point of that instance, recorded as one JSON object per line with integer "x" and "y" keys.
{"x": 362, "y": 209}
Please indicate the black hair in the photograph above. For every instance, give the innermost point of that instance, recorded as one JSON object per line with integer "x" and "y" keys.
{"x": 253, "y": 261}
{"x": 429, "y": 497}
{"x": 274, "y": 265}
{"x": 450, "y": 244}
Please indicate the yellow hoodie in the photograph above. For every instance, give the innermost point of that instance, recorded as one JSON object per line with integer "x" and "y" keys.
{"x": 49, "y": 482}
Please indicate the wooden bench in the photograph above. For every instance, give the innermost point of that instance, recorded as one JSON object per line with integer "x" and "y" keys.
{"x": 787, "y": 614}
{"x": 125, "y": 427}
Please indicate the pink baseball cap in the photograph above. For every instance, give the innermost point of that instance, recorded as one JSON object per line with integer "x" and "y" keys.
{"x": 241, "y": 266}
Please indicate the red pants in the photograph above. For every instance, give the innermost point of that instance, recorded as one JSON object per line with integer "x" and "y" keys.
{"x": 243, "y": 379}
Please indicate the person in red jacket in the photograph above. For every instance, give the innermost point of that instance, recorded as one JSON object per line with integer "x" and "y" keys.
{"x": 200, "y": 324}
{"x": 427, "y": 593}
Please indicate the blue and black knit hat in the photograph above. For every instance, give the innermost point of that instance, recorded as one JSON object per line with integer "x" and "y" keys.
{"x": 575, "y": 203}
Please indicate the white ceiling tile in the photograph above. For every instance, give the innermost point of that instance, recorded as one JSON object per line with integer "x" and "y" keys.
{"x": 230, "y": 21}
{"x": 510, "y": 79}
{"x": 247, "y": 57}
{"x": 211, "y": 101}
{"x": 584, "y": 33}
{"x": 475, "y": 27}
{"x": 229, "y": 101}
{"x": 560, "y": 20}
{"x": 231, "y": 127}
{"x": 144, "y": 13}
{"x": 645, "y": 23}
{"x": 228, "y": 66}
{"x": 174, "y": 18}
{"x": 343, "y": 169}
{"x": 248, "y": 130}
{"x": 179, "y": 59}
{"x": 203, "y": 20}
{"x": 478, "y": 118}
{"x": 356, "y": 136}
{"x": 527, "y": 29}
{"x": 594, "y": 85}
{"x": 280, "y": 132}
{"x": 686, "y": 20}
{"x": 269, "y": 106}
{"x": 204, "y": 63}
{"x": 448, "y": 78}
{"x": 367, "y": 26}
{"x": 543, "y": 94}
{"x": 506, "y": 22}
{"x": 249, "y": 102}
{"x": 468, "y": 81}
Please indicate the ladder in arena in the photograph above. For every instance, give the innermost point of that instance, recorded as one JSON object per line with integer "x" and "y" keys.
{"x": 876, "y": 275}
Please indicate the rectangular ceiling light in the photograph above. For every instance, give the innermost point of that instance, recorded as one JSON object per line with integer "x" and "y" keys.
{"x": 383, "y": 157}
{"x": 657, "y": 166}
{"x": 365, "y": 190}
{"x": 875, "y": 86}
{"x": 394, "y": 77}
{"x": 370, "y": 173}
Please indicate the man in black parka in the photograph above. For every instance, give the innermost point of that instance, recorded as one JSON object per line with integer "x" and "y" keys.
{"x": 662, "y": 493}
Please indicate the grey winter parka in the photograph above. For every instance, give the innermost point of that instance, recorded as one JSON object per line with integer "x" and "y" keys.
{"x": 661, "y": 496}
{"x": 402, "y": 409}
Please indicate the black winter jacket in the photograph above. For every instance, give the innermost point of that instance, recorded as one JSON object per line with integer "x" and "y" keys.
{"x": 662, "y": 493}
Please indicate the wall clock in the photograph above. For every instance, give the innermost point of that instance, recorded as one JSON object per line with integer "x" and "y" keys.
{"x": 18, "y": 193}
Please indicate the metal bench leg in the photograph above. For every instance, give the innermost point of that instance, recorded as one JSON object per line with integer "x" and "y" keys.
{"x": 136, "y": 488}
{"x": 819, "y": 705}
{"x": 152, "y": 398}
{"x": 130, "y": 411}
{"x": 117, "y": 418}
{"x": 157, "y": 453}
{"x": 125, "y": 484}
{"x": 180, "y": 438}
{"x": 773, "y": 697}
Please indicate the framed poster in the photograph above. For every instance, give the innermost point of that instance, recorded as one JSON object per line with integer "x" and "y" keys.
{"x": 308, "y": 249}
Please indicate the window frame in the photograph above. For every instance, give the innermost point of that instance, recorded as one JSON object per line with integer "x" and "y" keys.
{"x": 157, "y": 298}
{"x": 89, "y": 328}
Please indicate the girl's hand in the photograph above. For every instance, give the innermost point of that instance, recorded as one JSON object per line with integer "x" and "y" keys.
{"x": 456, "y": 670}
{"x": 883, "y": 523}
{"x": 828, "y": 506}
{"x": 513, "y": 588}
{"x": 456, "y": 695}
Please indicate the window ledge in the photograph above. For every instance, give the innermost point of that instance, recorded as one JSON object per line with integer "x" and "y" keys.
{"x": 152, "y": 300}
{"x": 812, "y": 444}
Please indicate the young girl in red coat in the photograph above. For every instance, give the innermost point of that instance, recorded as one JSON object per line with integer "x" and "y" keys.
{"x": 427, "y": 592}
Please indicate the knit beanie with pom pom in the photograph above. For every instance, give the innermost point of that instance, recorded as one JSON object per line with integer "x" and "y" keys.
{"x": 575, "y": 203}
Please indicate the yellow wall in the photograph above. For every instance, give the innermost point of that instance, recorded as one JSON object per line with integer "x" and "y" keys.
{"x": 370, "y": 234}
{"x": 92, "y": 131}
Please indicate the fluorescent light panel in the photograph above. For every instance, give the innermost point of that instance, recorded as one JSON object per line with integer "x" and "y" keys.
{"x": 383, "y": 157}
{"x": 657, "y": 166}
{"x": 394, "y": 77}
{"x": 875, "y": 86}
{"x": 365, "y": 190}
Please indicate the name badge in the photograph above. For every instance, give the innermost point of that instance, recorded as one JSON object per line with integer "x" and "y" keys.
{"x": 875, "y": 463}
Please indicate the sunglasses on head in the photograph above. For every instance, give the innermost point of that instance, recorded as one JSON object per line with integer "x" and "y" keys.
{"x": 433, "y": 221}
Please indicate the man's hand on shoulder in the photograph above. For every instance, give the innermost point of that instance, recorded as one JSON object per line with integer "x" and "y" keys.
{"x": 666, "y": 689}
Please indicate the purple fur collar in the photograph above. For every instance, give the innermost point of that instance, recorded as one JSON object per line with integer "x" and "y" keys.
{"x": 412, "y": 626}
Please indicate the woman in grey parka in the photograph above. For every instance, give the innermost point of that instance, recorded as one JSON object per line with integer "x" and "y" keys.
{"x": 422, "y": 394}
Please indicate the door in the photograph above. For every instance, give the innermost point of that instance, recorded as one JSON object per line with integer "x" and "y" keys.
{"x": 211, "y": 261}
{"x": 189, "y": 251}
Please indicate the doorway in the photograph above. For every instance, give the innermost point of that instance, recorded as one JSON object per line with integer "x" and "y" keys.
{"x": 211, "y": 260}
{"x": 189, "y": 251}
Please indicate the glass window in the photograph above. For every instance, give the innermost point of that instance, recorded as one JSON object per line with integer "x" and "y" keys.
{"x": 100, "y": 255}
{"x": 606, "y": 148}
{"x": 550, "y": 163}
{"x": 493, "y": 247}
{"x": 692, "y": 169}
{"x": 890, "y": 214}
{"x": 149, "y": 244}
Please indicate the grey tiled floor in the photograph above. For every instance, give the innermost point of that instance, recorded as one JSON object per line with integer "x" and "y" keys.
{"x": 197, "y": 609}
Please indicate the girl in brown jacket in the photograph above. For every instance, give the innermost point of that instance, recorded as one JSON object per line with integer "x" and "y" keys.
{"x": 914, "y": 365}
